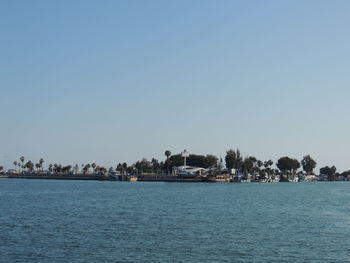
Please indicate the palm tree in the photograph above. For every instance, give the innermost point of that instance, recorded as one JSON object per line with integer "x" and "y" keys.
{"x": 260, "y": 163}
{"x": 22, "y": 160}
{"x": 29, "y": 165}
{"x": 15, "y": 164}
{"x": 167, "y": 154}
{"x": 167, "y": 162}
{"x": 41, "y": 161}
{"x": 86, "y": 168}
{"x": 125, "y": 167}
{"x": 119, "y": 168}
{"x": 93, "y": 165}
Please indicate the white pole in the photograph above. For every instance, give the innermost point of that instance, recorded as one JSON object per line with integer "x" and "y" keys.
{"x": 185, "y": 155}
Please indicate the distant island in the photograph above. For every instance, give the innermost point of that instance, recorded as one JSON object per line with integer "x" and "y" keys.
{"x": 184, "y": 167}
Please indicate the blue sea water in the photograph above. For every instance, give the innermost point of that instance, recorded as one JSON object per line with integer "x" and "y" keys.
{"x": 90, "y": 221}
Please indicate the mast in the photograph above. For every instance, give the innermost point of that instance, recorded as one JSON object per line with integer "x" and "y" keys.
{"x": 185, "y": 154}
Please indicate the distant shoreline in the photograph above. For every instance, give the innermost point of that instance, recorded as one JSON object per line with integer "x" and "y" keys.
{"x": 127, "y": 178}
{"x": 154, "y": 178}
{"x": 184, "y": 167}
{"x": 57, "y": 177}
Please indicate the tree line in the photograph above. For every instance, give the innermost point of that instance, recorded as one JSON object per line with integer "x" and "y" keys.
{"x": 285, "y": 166}
{"x": 234, "y": 162}
{"x": 142, "y": 166}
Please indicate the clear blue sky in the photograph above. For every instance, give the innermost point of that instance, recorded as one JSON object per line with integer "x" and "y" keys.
{"x": 114, "y": 81}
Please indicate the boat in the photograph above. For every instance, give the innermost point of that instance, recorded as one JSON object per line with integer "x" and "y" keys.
{"x": 186, "y": 175}
{"x": 133, "y": 179}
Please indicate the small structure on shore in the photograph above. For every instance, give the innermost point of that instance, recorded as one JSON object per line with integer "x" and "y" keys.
{"x": 190, "y": 171}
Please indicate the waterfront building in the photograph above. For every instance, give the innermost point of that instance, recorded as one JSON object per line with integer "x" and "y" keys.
{"x": 190, "y": 171}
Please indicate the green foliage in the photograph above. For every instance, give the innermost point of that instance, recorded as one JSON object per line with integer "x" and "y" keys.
{"x": 29, "y": 165}
{"x": 268, "y": 164}
{"x": 119, "y": 168}
{"x": 288, "y": 165}
{"x": 345, "y": 173}
{"x": 167, "y": 165}
{"x": 41, "y": 161}
{"x": 210, "y": 161}
{"x": 167, "y": 154}
{"x": 86, "y": 168}
{"x": 267, "y": 169}
{"x": 131, "y": 170}
{"x": 155, "y": 165}
{"x": 308, "y": 164}
{"x": 329, "y": 171}
{"x": 230, "y": 159}
{"x": 100, "y": 170}
{"x": 145, "y": 166}
{"x": 248, "y": 165}
{"x": 233, "y": 159}
{"x": 66, "y": 169}
{"x": 259, "y": 163}
{"x": 193, "y": 160}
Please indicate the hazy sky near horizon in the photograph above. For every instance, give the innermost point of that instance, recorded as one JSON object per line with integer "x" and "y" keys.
{"x": 114, "y": 81}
